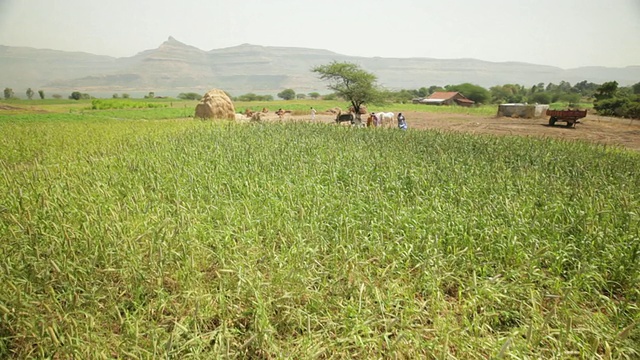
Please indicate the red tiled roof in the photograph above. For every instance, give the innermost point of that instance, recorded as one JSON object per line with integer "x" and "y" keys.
{"x": 467, "y": 101}
{"x": 442, "y": 95}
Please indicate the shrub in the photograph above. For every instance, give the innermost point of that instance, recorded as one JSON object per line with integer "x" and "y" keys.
{"x": 540, "y": 98}
{"x": 101, "y": 104}
{"x": 189, "y": 96}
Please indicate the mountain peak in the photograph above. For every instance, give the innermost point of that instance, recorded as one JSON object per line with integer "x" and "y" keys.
{"x": 173, "y": 45}
{"x": 172, "y": 41}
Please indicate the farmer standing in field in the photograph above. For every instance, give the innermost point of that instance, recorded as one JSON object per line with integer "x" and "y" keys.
{"x": 402, "y": 122}
{"x": 313, "y": 114}
{"x": 376, "y": 121}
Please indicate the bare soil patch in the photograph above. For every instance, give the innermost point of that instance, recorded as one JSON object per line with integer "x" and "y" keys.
{"x": 15, "y": 109}
{"x": 596, "y": 129}
{"x": 9, "y": 107}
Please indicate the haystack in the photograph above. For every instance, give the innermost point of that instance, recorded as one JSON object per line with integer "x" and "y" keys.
{"x": 217, "y": 105}
{"x": 363, "y": 110}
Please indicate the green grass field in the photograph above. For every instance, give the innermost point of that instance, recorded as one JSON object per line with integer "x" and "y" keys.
{"x": 138, "y": 233}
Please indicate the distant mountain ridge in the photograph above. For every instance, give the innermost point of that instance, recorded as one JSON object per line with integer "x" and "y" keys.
{"x": 175, "y": 67}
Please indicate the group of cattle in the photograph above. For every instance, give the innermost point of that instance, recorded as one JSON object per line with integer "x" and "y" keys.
{"x": 381, "y": 118}
{"x": 248, "y": 112}
{"x": 257, "y": 115}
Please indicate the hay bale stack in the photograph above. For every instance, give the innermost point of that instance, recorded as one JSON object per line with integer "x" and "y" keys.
{"x": 363, "y": 110}
{"x": 215, "y": 104}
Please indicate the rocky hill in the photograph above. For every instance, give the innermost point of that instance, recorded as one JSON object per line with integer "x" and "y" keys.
{"x": 175, "y": 67}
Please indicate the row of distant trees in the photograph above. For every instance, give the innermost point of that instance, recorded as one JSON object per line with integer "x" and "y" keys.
{"x": 508, "y": 93}
{"x": 609, "y": 99}
{"x": 287, "y": 94}
{"x": 77, "y": 95}
{"x": 9, "y": 94}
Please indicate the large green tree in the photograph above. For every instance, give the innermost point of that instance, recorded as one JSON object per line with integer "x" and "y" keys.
{"x": 612, "y": 100}
{"x": 8, "y": 93}
{"x": 585, "y": 88}
{"x": 287, "y": 94}
{"x": 473, "y": 92}
{"x": 350, "y": 82}
{"x": 30, "y": 94}
{"x": 606, "y": 91}
{"x": 509, "y": 93}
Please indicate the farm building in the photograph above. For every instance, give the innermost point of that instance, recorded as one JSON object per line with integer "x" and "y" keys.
{"x": 522, "y": 110}
{"x": 446, "y": 98}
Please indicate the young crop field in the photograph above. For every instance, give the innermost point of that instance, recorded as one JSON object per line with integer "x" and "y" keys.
{"x": 130, "y": 233}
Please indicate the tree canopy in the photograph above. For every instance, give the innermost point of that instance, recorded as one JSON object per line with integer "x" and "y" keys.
{"x": 472, "y": 92}
{"x": 350, "y": 82}
{"x": 287, "y": 94}
{"x": 8, "y": 93}
{"x": 189, "y": 96}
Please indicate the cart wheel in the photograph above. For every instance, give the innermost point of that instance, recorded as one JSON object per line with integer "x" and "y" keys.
{"x": 552, "y": 121}
{"x": 570, "y": 124}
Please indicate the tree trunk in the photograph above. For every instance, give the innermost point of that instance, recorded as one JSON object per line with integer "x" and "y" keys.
{"x": 358, "y": 119}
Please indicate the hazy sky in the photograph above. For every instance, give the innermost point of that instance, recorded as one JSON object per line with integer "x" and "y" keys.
{"x": 564, "y": 33}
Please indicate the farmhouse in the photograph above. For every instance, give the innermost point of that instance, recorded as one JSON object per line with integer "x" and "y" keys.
{"x": 446, "y": 98}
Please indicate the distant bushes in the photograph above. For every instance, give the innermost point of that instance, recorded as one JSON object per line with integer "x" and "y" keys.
{"x": 102, "y": 104}
{"x": 614, "y": 101}
{"x": 189, "y": 96}
{"x": 252, "y": 97}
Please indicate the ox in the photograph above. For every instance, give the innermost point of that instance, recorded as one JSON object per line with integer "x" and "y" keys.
{"x": 282, "y": 112}
{"x": 385, "y": 118}
{"x": 345, "y": 117}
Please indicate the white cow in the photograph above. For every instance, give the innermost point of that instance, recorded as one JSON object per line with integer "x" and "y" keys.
{"x": 385, "y": 118}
